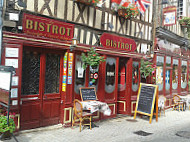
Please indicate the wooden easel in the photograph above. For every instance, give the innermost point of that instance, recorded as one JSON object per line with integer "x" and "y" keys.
{"x": 142, "y": 110}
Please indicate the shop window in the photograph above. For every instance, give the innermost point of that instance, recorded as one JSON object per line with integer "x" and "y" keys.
{"x": 175, "y": 74}
{"x": 122, "y": 75}
{"x": 79, "y": 74}
{"x": 110, "y": 74}
{"x": 184, "y": 74}
{"x": 52, "y": 73}
{"x": 135, "y": 76}
{"x": 93, "y": 77}
{"x": 167, "y": 80}
{"x": 189, "y": 78}
{"x": 30, "y": 73}
{"x": 159, "y": 72}
{"x": 168, "y": 61}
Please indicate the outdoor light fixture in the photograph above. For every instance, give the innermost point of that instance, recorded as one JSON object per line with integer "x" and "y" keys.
{"x": 73, "y": 43}
{"x": 110, "y": 25}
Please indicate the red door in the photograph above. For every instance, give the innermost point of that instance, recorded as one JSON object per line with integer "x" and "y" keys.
{"x": 40, "y": 96}
{"x": 123, "y": 88}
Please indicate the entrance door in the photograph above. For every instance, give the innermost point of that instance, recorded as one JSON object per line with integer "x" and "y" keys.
{"x": 40, "y": 94}
{"x": 123, "y": 90}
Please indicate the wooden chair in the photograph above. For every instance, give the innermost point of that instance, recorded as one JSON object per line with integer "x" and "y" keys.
{"x": 161, "y": 104}
{"x": 79, "y": 114}
{"x": 178, "y": 104}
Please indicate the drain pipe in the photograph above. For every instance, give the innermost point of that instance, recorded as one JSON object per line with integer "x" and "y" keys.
{"x": 1, "y": 27}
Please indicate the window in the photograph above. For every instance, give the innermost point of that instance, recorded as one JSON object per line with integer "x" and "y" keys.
{"x": 52, "y": 73}
{"x": 79, "y": 74}
{"x": 135, "y": 76}
{"x": 167, "y": 75}
{"x": 159, "y": 72}
{"x": 122, "y": 75}
{"x": 110, "y": 74}
{"x": 184, "y": 74}
{"x": 175, "y": 74}
{"x": 30, "y": 73}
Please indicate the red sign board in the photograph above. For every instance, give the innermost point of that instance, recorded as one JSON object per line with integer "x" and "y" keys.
{"x": 116, "y": 42}
{"x": 41, "y": 26}
{"x": 169, "y": 15}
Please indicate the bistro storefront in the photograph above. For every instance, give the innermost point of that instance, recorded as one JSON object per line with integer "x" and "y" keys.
{"x": 172, "y": 60}
{"x": 49, "y": 74}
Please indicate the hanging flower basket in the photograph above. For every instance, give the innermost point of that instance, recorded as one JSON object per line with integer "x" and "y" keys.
{"x": 185, "y": 22}
{"x": 89, "y": 2}
{"x": 128, "y": 12}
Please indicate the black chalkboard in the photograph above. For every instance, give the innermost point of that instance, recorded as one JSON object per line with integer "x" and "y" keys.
{"x": 146, "y": 98}
{"x": 88, "y": 93}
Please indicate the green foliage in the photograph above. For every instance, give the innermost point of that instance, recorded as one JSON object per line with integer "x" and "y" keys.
{"x": 185, "y": 21}
{"x": 3, "y": 124}
{"x": 147, "y": 68}
{"x": 130, "y": 11}
{"x": 92, "y": 59}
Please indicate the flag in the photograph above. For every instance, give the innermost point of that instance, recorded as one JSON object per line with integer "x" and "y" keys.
{"x": 124, "y": 3}
{"x": 142, "y": 5}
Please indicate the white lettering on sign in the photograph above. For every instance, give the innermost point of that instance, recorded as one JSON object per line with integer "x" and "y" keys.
{"x": 110, "y": 73}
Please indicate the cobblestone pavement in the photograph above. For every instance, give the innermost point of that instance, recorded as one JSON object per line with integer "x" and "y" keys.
{"x": 115, "y": 130}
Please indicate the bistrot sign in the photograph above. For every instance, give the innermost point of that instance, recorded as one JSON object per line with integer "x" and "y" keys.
{"x": 41, "y": 26}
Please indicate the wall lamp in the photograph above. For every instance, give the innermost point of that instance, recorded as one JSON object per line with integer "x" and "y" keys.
{"x": 110, "y": 25}
{"x": 74, "y": 43}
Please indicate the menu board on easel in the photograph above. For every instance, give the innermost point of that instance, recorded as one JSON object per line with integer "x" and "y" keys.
{"x": 88, "y": 93}
{"x": 146, "y": 100}
{"x": 5, "y": 83}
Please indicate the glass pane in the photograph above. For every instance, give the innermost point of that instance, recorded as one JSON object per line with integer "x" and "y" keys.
{"x": 110, "y": 75}
{"x": 167, "y": 80}
{"x": 175, "y": 74}
{"x": 184, "y": 74}
{"x": 30, "y": 73}
{"x": 52, "y": 73}
{"x": 159, "y": 72}
{"x": 168, "y": 61}
{"x": 135, "y": 76}
{"x": 79, "y": 74}
{"x": 93, "y": 77}
{"x": 159, "y": 77}
{"x": 122, "y": 75}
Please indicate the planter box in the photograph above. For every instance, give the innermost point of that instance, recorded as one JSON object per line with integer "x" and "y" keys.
{"x": 84, "y": 1}
{"x": 122, "y": 12}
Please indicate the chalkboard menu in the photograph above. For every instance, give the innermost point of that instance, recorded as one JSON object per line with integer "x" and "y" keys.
{"x": 88, "y": 93}
{"x": 147, "y": 100}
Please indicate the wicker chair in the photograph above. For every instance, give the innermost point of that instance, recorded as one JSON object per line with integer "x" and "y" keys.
{"x": 161, "y": 104}
{"x": 79, "y": 114}
{"x": 178, "y": 104}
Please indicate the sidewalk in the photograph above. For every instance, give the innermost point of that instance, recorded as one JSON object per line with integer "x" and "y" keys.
{"x": 116, "y": 130}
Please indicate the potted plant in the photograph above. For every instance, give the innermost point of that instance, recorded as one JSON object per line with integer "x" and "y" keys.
{"x": 89, "y": 2}
{"x": 5, "y": 129}
{"x": 147, "y": 69}
{"x": 185, "y": 21}
{"x": 92, "y": 59}
{"x": 128, "y": 12}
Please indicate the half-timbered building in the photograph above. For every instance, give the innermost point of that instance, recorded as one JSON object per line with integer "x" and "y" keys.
{"x": 49, "y": 69}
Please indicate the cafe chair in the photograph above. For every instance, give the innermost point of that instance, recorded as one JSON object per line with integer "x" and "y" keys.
{"x": 178, "y": 104}
{"x": 161, "y": 104}
{"x": 81, "y": 115}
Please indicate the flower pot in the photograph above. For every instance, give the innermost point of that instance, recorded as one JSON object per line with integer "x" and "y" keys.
{"x": 5, "y": 136}
{"x": 84, "y": 1}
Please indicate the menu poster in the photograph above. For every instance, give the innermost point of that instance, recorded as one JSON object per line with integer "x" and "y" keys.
{"x": 15, "y": 81}
{"x": 14, "y": 93}
{"x": 11, "y": 62}
{"x": 5, "y": 78}
{"x": 11, "y": 52}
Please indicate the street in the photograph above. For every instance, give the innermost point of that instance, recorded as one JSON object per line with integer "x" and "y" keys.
{"x": 120, "y": 129}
